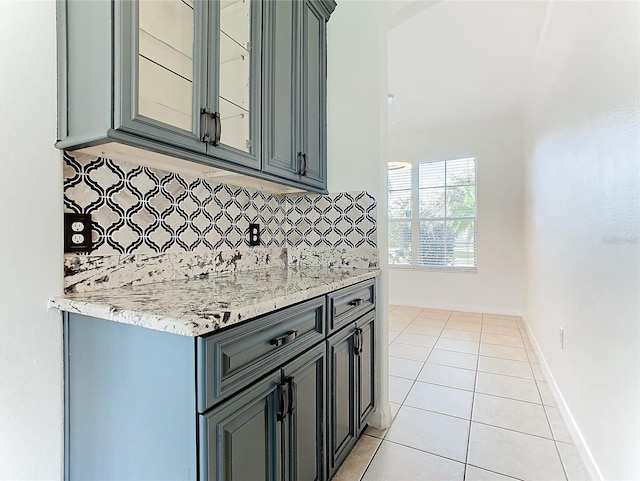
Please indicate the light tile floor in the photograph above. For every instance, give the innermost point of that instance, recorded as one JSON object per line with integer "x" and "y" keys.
{"x": 470, "y": 403}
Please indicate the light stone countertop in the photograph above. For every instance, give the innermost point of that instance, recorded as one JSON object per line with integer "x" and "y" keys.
{"x": 199, "y": 306}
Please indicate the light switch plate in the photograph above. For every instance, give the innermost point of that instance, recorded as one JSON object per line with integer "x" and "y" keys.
{"x": 77, "y": 233}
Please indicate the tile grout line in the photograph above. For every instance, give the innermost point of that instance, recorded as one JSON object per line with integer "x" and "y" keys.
{"x": 414, "y": 380}
{"x": 425, "y": 451}
{"x": 372, "y": 457}
{"x": 423, "y": 364}
{"x": 496, "y": 472}
{"x": 382, "y": 439}
{"x": 473, "y": 401}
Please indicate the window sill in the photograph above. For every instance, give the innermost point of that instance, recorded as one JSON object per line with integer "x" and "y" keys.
{"x": 447, "y": 270}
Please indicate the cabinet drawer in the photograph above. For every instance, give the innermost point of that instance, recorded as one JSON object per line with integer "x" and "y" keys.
{"x": 230, "y": 360}
{"x": 349, "y": 303}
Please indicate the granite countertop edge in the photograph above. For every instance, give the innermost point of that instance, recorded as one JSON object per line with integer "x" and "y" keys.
{"x": 207, "y": 320}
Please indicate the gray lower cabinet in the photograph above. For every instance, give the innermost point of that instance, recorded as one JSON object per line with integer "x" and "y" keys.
{"x": 241, "y": 440}
{"x": 130, "y": 397}
{"x": 271, "y": 399}
{"x": 351, "y": 386}
{"x": 273, "y": 430}
{"x": 305, "y": 426}
{"x": 295, "y": 90}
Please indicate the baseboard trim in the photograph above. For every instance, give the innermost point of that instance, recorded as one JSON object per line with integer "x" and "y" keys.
{"x": 576, "y": 434}
{"x": 464, "y": 308}
{"x": 381, "y": 417}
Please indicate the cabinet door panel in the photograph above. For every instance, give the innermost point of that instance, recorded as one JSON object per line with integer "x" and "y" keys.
{"x": 342, "y": 416}
{"x": 240, "y": 440}
{"x": 313, "y": 95}
{"x": 161, "y": 69}
{"x": 234, "y": 79}
{"x": 366, "y": 368}
{"x": 280, "y": 87}
{"x": 235, "y": 73}
{"x": 306, "y": 424}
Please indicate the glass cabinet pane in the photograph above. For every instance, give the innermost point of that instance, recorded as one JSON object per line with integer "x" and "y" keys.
{"x": 235, "y": 73}
{"x": 165, "y": 61}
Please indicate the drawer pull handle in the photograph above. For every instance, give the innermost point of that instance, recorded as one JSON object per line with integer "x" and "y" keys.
{"x": 356, "y": 302}
{"x": 284, "y": 339}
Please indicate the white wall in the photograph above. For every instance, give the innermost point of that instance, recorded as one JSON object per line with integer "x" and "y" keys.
{"x": 497, "y": 284}
{"x": 356, "y": 96}
{"x": 583, "y": 222}
{"x": 356, "y": 135}
{"x": 30, "y": 246}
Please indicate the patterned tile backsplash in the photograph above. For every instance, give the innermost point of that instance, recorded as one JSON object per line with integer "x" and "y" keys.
{"x": 144, "y": 212}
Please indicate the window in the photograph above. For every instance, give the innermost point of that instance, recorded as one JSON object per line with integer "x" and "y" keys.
{"x": 432, "y": 214}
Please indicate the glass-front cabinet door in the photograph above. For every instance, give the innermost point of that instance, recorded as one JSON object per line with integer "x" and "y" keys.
{"x": 190, "y": 76}
{"x": 235, "y": 66}
{"x": 163, "y": 79}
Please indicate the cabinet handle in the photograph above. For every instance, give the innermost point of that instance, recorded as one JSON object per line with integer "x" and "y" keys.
{"x": 304, "y": 163}
{"x": 293, "y": 396}
{"x": 356, "y": 302}
{"x": 282, "y": 402}
{"x": 205, "y": 124}
{"x": 218, "y": 120}
{"x": 358, "y": 344}
{"x": 284, "y": 339}
{"x": 300, "y": 163}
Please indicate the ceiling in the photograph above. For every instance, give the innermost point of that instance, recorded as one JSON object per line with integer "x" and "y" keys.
{"x": 455, "y": 62}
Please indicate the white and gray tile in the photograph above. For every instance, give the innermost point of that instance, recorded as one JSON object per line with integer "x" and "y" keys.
{"x": 522, "y": 456}
{"x": 507, "y": 386}
{"x": 394, "y": 462}
{"x": 431, "y": 432}
{"x": 448, "y": 376}
{"x": 525, "y": 417}
{"x": 440, "y": 399}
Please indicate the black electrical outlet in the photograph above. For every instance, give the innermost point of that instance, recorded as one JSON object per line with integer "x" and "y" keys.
{"x": 77, "y": 233}
{"x": 254, "y": 234}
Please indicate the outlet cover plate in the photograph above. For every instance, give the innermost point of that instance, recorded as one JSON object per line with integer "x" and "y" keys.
{"x": 77, "y": 233}
{"x": 254, "y": 234}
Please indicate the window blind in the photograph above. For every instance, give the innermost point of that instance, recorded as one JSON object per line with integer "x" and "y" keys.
{"x": 400, "y": 202}
{"x": 432, "y": 214}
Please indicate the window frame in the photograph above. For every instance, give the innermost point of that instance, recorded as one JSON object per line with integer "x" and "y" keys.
{"x": 415, "y": 218}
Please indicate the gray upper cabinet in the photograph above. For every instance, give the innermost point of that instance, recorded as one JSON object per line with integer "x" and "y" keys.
{"x": 190, "y": 74}
{"x": 184, "y": 74}
{"x": 295, "y": 90}
{"x": 186, "y": 78}
{"x": 161, "y": 73}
